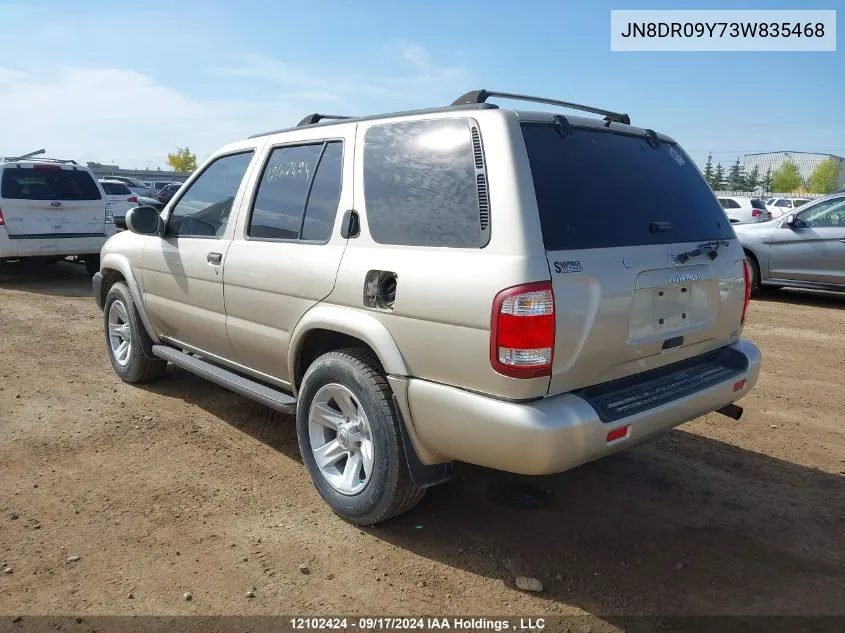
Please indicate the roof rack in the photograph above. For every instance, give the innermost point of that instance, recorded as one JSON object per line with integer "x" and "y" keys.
{"x": 481, "y": 96}
{"x": 40, "y": 159}
{"x": 311, "y": 119}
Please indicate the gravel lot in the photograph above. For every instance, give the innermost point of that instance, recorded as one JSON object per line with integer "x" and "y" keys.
{"x": 180, "y": 486}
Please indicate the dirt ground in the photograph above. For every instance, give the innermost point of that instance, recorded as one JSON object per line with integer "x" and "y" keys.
{"x": 181, "y": 486}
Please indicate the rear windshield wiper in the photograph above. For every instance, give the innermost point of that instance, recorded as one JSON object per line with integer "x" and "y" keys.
{"x": 711, "y": 248}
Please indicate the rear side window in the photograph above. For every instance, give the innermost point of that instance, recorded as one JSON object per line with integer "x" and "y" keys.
{"x": 299, "y": 193}
{"x": 114, "y": 189}
{"x": 424, "y": 184}
{"x": 50, "y": 183}
{"x": 729, "y": 203}
{"x": 603, "y": 189}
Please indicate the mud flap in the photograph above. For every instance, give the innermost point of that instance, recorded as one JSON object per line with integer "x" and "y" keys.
{"x": 423, "y": 475}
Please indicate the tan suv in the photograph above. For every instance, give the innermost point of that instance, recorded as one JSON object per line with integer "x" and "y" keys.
{"x": 521, "y": 290}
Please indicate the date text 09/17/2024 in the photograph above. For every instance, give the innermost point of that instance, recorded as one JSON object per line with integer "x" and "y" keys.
{"x": 419, "y": 624}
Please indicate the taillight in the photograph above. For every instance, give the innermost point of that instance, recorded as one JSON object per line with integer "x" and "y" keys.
{"x": 747, "y": 271}
{"x": 756, "y": 213}
{"x": 522, "y": 331}
{"x": 47, "y": 166}
{"x": 132, "y": 199}
{"x": 2, "y": 221}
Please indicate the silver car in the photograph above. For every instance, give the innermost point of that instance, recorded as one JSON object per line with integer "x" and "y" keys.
{"x": 454, "y": 284}
{"x": 803, "y": 249}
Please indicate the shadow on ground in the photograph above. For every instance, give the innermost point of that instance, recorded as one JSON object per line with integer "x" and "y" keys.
{"x": 681, "y": 524}
{"x": 809, "y": 298}
{"x": 62, "y": 279}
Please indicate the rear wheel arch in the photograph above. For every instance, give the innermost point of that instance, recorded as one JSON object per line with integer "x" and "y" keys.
{"x": 318, "y": 341}
{"x": 327, "y": 328}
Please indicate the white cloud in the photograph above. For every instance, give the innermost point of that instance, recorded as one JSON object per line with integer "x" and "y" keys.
{"x": 415, "y": 79}
{"x": 414, "y": 53}
{"x": 120, "y": 115}
{"x": 106, "y": 114}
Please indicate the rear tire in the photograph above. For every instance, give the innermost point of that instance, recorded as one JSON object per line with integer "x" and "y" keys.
{"x": 346, "y": 417}
{"x": 755, "y": 273}
{"x": 125, "y": 338}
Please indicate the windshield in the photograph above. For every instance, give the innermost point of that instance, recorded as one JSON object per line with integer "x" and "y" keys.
{"x": 598, "y": 189}
{"x": 20, "y": 183}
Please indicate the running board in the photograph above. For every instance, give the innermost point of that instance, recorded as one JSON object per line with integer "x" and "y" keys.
{"x": 273, "y": 398}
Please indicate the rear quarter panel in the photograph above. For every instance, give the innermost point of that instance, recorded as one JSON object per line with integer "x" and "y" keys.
{"x": 442, "y": 314}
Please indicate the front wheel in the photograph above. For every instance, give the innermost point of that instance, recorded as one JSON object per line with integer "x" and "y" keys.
{"x": 350, "y": 440}
{"x": 125, "y": 336}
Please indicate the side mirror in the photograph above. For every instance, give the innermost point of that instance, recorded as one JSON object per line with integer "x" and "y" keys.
{"x": 794, "y": 222}
{"x": 143, "y": 220}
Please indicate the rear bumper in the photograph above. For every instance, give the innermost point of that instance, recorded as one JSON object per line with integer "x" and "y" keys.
{"x": 554, "y": 434}
{"x": 51, "y": 246}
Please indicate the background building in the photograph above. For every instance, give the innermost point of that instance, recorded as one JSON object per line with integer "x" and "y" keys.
{"x": 805, "y": 161}
{"x": 147, "y": 175}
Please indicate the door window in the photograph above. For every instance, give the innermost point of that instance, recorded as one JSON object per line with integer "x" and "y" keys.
{"x": 824, "y": 214}
{"x": 204, "y": 209}
{"x": 299, "y": 193}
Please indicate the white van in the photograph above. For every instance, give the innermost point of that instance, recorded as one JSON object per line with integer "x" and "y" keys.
{"x": 51, "y": 209}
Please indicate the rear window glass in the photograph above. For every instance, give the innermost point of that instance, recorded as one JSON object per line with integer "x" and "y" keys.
{"x": 603, "y": 189}
{"x": 26, "y": 183}
{"x": 114, "y": 189}
{"x": 758, "y": 204}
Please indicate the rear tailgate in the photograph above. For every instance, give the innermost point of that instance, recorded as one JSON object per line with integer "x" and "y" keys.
{"x": 616, "y": 212}
{"x": 49, "y": 200}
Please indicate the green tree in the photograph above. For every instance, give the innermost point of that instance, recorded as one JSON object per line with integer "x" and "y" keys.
{"x": 767, "y": 180}
{"x": 719, "y": 178}
{"x": 736, "y": 177}
{"x": 708, "y": 170}
{"x": 786, "y": 177}
{"x": 752, "y": 180}
{"x": 825, "y": 177}
{"x": 182, "y": 160}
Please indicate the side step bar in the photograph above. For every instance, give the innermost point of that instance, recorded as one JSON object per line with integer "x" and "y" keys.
{"x": 273, "y": 398}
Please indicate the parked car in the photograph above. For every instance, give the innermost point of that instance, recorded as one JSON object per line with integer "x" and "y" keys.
{"x": 743, "y": 210}
{"x": 138, "y": 187}
{"x": 485, "y": 299}
{"x": 803, "y": 249}
{"x": 167, "y": 192}
{"x": 51, "y": 209}
{"x": 158, "y": 185}
{"x": 781, "y": 206}
{"x": 121, "y": 198}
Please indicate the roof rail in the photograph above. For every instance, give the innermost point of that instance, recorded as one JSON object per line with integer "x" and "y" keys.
{"x": 311, "y": 119}
{"x": 40, "y": 159}
{"x": 481, "y": 96}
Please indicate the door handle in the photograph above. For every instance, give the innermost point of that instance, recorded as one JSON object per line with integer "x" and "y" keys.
{"x": 214, "y": 258}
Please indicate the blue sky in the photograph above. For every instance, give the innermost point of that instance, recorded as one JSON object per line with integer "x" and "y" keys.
{"x": 128, "y": 82}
